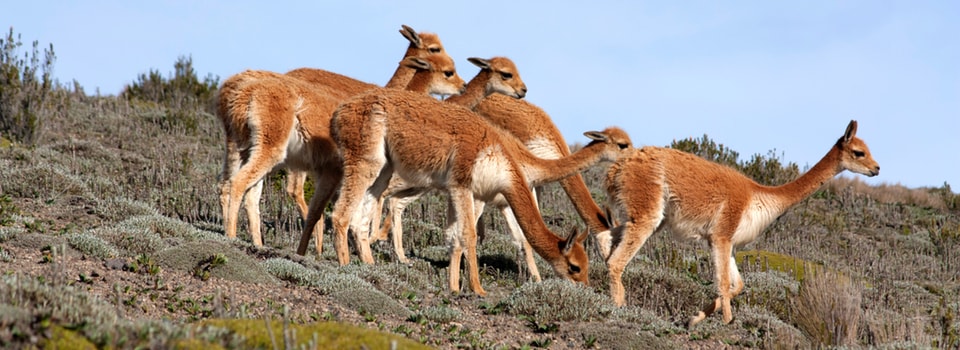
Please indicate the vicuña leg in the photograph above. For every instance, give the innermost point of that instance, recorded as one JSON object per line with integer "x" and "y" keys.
{"x": 726, "y": 272}
{"x": 251, "y": 172}
{"x": 295, "y": 183}
{"x": 325, "y": 184}
{"x": 251, "y": 202}
{"x": 464, "y": 236}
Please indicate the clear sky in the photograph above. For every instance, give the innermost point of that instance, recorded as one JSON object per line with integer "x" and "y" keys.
{"x": 755, "y": 76}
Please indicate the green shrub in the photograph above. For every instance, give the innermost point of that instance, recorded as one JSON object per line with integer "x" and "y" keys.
{"x": 707, "y": 149}
{"x": 28, "y": 93}
{"x": 766, "y": 170}
{"x": 7, "y": 210}
{"x": 180, "y": 90}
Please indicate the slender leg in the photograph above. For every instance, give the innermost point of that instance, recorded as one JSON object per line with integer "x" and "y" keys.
{"x": 462, "y": 200}
{"x": 523, "y": 246}
{"x": 231, "y": 164}
{"x": 325, "y": 184}
{"x": 453, "y": 233}
{"x": 361, "y": 222}
{"x": 635, "y": 234}
{"x": 247, "y": 177}
{"x": 295, "y": 183}
{"x": 251, "y": 202}
{"x": 725, "y": 270}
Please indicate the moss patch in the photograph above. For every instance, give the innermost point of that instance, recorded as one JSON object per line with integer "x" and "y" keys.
{"x": 795, "y": 267}
{"x": 62, "y": 338}
{"x": 324, "y": 335}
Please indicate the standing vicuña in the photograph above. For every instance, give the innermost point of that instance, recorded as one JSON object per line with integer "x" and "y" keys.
{"x": 287, "y": 123}
{"x": 429, "y": 143}
{"x": 532, "y": 126}
{"x": 653, "y": 188}
{"x": 335, "y": 87}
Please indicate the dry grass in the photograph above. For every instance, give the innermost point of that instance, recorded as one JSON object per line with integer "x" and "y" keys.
{"x": 828, "y": 308}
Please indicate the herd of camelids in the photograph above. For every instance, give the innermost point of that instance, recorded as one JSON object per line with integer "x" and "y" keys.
{"x": 484, "y": 145}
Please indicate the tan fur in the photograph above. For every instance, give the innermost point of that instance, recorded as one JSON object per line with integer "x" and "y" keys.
{"x": 233, "y": 117}
{"x": 657, "y": 187}
{"x": 421, "y": 45}
{"x": 288, "y": 124}
{"x": 429, "y": 143}
{"x": 534, "y": 127}
{"x": 497, "y": 75}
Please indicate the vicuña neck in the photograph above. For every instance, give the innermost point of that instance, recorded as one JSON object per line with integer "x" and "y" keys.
{"x": 795, "y": 191}
{"x": 401, "y": 77}
{"x": 476, "y": 91}
{"x": 550, "y": 170}
{"x": 528, "y": 217}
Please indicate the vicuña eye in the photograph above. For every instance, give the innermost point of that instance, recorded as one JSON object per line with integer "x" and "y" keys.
{"x": 448, "y": 74}
{"x": 859, "y": 154}
{"x": 623, "y": 145}
{"x": 434, "y": 49}
{"x": 506, "y": 75}
{"x": 574, "y": 269}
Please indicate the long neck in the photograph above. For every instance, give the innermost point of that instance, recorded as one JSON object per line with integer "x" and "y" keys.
{"x": 584, "y": 204}
{"x": 525, "y": 210}
{"x": 420, "y": 81}
{"x": 809, "y": 182}
{"x": 401, "y": 77}
{"x": 476, "y": 91}
{"x": 540, "y": 171}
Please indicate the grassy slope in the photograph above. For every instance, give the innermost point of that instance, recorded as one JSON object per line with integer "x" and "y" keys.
{"x": 135, "y": 185}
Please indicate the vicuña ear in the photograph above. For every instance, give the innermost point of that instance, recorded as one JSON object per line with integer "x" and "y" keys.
{"x": 570, "y": 242}
{"x": 416, "y": 62}
{"x": 851, "y": 131}
{"x": 411, "y": 35}
{"x": 479, "y": 62}
{"x": 596, "y": 135}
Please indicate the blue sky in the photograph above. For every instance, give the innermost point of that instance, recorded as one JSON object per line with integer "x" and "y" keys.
{"x": 755, "y": 76}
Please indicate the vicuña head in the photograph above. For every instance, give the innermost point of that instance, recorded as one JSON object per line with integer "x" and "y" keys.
{"x": 654, "y": 187}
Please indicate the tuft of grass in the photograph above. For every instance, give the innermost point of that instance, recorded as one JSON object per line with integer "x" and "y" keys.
{"x": 827, "y": 308}
{"x": 357, "y": 294}
{"x": 92, "y": 245}
{"x": 556, "y": 300}
{"x": 611, "y": 335}
{"x": 292, "y": 272}
{"x": 441, "y": 314}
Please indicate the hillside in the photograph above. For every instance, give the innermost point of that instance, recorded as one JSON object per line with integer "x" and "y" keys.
{"x": 110, "y": 235}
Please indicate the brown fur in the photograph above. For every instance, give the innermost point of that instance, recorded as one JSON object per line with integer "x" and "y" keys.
{"x": 433, "y": 144}
{"x": 233, "y": 117}
{"x": 282, "y": 113}
{"x": 531, "y": 125}
{"x": 497, "y": 75}
{"x": 657, "y": 187}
